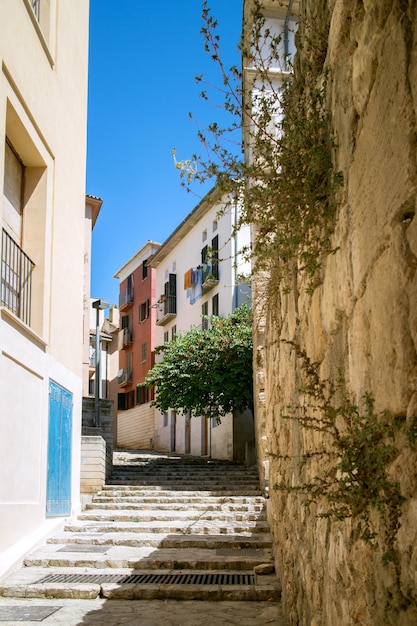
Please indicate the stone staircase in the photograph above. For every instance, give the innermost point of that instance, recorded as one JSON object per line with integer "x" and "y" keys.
{"x": 163, "y": 527}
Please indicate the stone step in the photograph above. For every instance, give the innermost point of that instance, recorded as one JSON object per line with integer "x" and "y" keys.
{"x": 173, "y": 506}
{"x": 148, "y": 558}
{"x": 121, "y": 497}
{"x": 177, "y": 529}
{"x": 150, "y": 515}
{"x": 197, "y": 470}
{"x": 161, "y": 540}
{"x": 236, "y": 476}
{"x": 114, "y": 584}
{"x": 170, "y": 527}
{"x": 157, "y": 489}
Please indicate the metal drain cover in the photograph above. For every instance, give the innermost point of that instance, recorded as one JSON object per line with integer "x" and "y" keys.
{"x": 151, "y": 579}
{"x": 83, "y": 548}
{"x": 26, "y": 613}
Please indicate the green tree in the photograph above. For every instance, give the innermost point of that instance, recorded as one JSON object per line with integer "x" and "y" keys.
{"x": 207, "y": 372}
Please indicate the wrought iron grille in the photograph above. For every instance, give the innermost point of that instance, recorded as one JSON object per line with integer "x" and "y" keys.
{"x": 190, "y": 578}
{"x": 16, "y": 279}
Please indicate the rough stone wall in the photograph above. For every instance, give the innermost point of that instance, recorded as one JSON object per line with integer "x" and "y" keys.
{"x": 360, "y": 321}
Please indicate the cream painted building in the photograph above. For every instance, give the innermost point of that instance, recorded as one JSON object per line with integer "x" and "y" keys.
{"x": 43, "y": 116}
{"x": 201, "y": 247}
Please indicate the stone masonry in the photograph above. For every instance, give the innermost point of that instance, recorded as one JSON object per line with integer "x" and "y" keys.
{"x": 360, "y": 323}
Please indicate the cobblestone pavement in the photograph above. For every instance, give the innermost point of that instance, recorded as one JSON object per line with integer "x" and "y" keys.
{"x": 144, "y": 613}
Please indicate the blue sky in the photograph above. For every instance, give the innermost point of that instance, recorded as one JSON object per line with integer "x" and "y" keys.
{"x": 142, "y": 63}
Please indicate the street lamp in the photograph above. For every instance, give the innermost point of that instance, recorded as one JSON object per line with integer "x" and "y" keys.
{"x": 99, "y": 305}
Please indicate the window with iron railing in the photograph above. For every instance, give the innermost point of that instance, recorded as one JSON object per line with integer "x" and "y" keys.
{"x": 16, "y": 279}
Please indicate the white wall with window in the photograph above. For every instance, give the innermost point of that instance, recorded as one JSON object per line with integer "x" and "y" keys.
{"x": 208, "y": 261}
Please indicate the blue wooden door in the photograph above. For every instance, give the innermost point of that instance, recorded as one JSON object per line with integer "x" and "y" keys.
{"x": 58, "y": 490}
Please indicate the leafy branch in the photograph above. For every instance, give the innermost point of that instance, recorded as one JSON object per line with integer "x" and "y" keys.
{"x": 282, "y": 170}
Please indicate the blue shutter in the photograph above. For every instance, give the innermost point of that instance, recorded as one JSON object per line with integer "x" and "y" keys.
{"x": 58, "y": 490}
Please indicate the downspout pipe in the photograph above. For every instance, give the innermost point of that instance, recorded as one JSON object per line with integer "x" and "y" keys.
{"x": 286, "y": 36}
{"x": 236, "y": 252}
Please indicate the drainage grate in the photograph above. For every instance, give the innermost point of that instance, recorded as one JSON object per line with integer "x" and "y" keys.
{"x": 26, "y": 613}
{"x": 152, "y": 579}
{"x": 239, "y": 552}
{"x": 83, "y": 548}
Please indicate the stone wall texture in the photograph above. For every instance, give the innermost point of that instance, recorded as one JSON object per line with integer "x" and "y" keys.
{"x": 360, "y": 322}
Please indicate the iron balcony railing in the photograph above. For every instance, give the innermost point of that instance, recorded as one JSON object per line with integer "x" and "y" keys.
{"x": 167, "y": 309}
{"x": 16, "y": 279}
{"x": 210, "y": 271}
{"x": 127, "y": 337}
{"x": 124, "y": 377}
{"x": 125, "y": 297}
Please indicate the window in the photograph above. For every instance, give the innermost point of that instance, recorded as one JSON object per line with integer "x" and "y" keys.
{"x": 142, "y": 394}
{"x": 42, "y": 11}
{"x": 214, "y": 225}
{"x": 131, "y": 399}
{"x": 16, "y": 266}
{"x": 24, "y": 212}
{"x": 204, "y": 237}
{"x": 145, "y": 269}
{"x": 215, "y": 257}
{"x": 126, "y": 294}
{"x": 13, "y": 193}
{"x": 121, "y": 402}
{"x": 204, "y": 254}
{"x": 166, "y": 336}
{"x": 173, "y": 332}
{"x": 204, "y": 311}
{"x": 144, "y": 311}
{"x": 36, "y": 6}
{"x": 170, "y": 293}
{"x": 215, "y": 305}
{"x": 144, "y": 351}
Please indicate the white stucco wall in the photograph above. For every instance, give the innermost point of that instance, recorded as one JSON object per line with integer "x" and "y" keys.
{"x": 43, "y": 110}
{"x": 177, "y": 255}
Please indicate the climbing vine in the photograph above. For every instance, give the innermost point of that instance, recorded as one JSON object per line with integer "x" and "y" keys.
{"x": 358, "y": 446}
{"x": 282, "y": 171}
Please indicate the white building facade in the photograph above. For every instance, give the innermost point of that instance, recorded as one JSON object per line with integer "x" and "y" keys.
{"x": 198, "y": 273}
{"x": 43, "y": 117}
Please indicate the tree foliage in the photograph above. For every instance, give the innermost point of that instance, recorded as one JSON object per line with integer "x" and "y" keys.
{"x": 207, "y": 372}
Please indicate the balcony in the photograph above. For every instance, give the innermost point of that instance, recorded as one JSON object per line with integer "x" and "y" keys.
{"x": 124, "y": 377}
{"x": 16, "y": 279}
{"x": 126, "y": 299}
{"x": 125, "y": 338}
{"x": 167, "y": 310}
{"x": 210, "y": 276}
